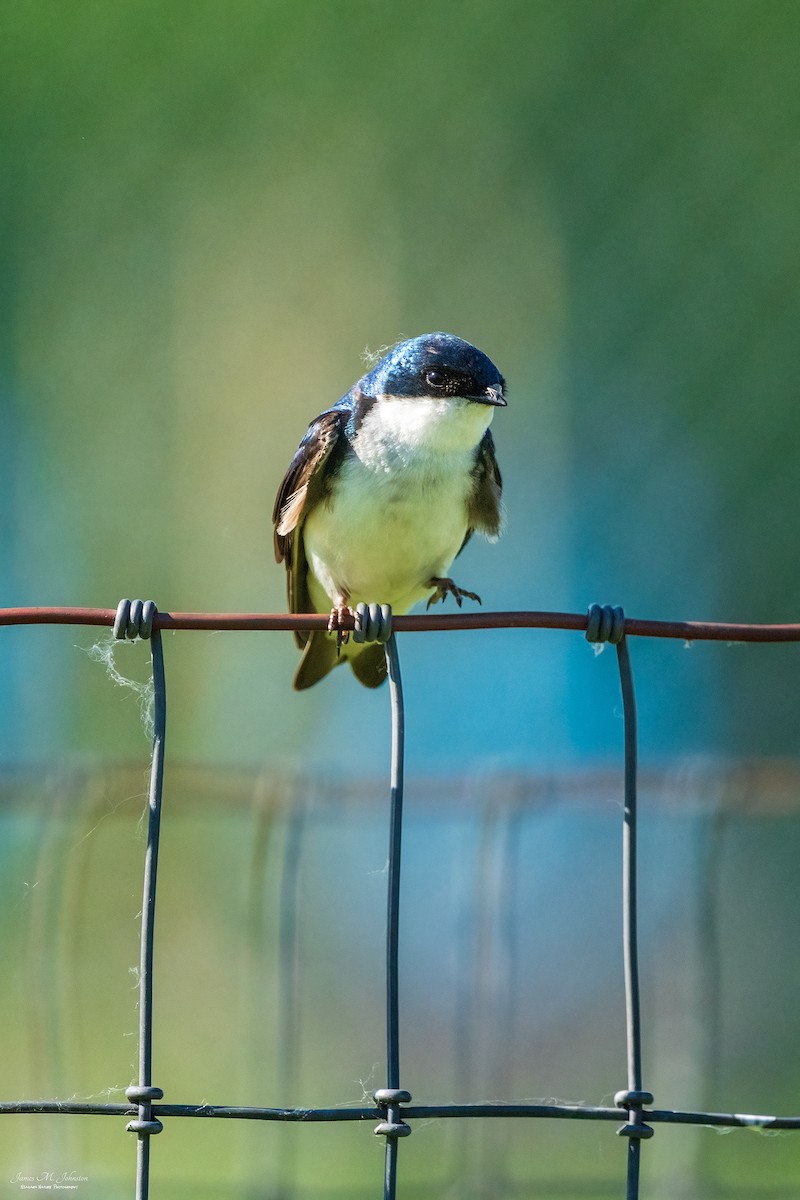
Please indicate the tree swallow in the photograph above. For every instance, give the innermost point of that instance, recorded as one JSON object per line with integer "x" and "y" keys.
{"x": 385, "y": 490}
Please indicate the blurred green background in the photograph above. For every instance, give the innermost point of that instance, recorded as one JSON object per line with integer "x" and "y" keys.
{"x": 209, "y": 211}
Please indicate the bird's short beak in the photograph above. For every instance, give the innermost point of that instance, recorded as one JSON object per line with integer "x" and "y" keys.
{"x": 492, "y": 395}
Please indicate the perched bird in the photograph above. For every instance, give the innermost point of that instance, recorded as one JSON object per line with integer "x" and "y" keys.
{"x": 386, "y": 488}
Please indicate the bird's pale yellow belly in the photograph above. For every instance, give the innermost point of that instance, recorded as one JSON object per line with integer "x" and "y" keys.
{"x": 381, "y": 541}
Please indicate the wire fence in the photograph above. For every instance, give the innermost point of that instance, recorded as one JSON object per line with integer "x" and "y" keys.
{"x": 394, "y": 1109}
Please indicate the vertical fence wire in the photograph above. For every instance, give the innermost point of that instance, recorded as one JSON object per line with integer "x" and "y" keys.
{"x": 507, "y": 969}
{"x": 393, "y": 1127}
{"x": 465, "y": 992}
{"x": 633, "y": 1097}
{"x": 286, "y": 1066}
{"x": 393, "y": 889}
{"x": 143, "y": 1093}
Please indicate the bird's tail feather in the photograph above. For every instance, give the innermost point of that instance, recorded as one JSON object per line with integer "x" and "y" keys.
{"x": 319, "y": 657}
{"x": 369, "y": 666}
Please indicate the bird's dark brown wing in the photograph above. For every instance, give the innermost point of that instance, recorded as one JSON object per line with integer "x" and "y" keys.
{"x": 303, "y": 486}
{"x": 484, "y": 507}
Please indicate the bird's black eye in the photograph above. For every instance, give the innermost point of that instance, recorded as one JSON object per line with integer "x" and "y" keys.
{"x": 435, "y": 379}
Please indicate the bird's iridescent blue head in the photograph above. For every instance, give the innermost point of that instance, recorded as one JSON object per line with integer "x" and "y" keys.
{"x": 436, "y": 364}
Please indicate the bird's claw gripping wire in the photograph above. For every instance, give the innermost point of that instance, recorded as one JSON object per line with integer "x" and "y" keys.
{"x": 605, "y": 623}
{"x": 339, "y": 614}
{"x": 446, "y": 587}
{"x": 134, "y": 619}
{"x": 371, "y": 623}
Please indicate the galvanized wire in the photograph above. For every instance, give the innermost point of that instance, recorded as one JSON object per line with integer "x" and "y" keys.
{"x": 392, "y": 1126}
{"x": 634, "y": 1097}
{"x": 412, "y": 1112}
{"x": 393, "y": 1108}
{"x": 135, "y": 620}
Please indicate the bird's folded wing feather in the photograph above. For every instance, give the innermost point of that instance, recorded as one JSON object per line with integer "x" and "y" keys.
{"x": 303, "y": 486}
{"x": 484, "y": 504}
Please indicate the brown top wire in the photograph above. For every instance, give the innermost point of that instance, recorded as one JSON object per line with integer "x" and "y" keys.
{"x": 689, "y": 631}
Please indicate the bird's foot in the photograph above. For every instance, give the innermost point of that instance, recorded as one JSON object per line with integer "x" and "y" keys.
{"x": 446, "y": 587}
{"x": 339, "y": 614}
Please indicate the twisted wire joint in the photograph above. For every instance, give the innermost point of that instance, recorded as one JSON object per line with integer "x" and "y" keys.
{"x": 633, "y": 1101}
{"x": 605, "y": 624}
{"x": 146, "y": 1123}
{"x": 134, "y": 619}
{"x": 393, "y": 1126}
{"x": 373, "y": 623}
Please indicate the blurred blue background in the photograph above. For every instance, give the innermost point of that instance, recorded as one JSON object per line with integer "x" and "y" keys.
{"x": 209, "y": 211}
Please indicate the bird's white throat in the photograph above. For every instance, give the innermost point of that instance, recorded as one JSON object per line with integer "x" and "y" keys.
{"x": 397, "y": 515}
{"x": 399, "y": 427}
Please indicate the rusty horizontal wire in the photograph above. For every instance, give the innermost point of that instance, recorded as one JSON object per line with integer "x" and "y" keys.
{"x": 689, "y": 631}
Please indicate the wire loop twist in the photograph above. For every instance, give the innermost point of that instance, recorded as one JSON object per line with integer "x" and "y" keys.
{"x": 373, "y": 623}
{"x": 150, "y": 1127}
{"x": 605, "y": 624}
{"x": 392, "y": 1129}
{"x": 134, "y": 619}
{"x": 384, "y": 1096}
{"x": 633, "y": 1101}
{"x": 393, "y": 1126}
{"x": 145, "y": 1124}
{"x": 140, "y": 1095}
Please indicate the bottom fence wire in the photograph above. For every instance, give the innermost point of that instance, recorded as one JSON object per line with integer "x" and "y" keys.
{"x": 394, "y": 1109}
